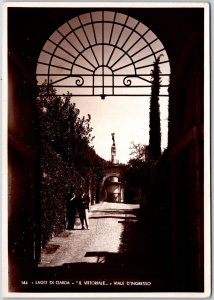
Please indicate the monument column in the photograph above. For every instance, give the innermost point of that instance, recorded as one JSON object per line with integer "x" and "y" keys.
{"x": 113, "y": 150}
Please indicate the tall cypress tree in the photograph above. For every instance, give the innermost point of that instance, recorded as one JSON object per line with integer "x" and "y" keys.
{"x": 154, "y": 126}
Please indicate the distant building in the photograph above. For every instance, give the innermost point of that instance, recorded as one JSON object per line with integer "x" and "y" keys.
{"x": 113, "y": 183}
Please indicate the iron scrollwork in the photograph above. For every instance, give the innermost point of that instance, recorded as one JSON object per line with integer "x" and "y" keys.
{"x": 127, "y": 80}
{"x": 79, "y": 81}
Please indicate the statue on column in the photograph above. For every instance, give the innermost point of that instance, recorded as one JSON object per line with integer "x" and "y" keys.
{"x": 113, "y": 139}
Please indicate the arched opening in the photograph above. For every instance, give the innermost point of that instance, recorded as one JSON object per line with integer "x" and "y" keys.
{"x": 113, "y": 189}
{"x": 102, "y": 40}
{"x": 108, "y": 55}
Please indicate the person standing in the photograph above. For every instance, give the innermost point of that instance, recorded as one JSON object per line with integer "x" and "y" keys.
{"x": 83, "y": 207}
{"x": 71, "y": 211}
{"x": 86, "y": 201}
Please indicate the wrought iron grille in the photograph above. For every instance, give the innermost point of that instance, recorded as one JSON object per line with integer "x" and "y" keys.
{"x": 102, "y": 53}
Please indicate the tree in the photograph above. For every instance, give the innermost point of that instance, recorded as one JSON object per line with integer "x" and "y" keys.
{"x": 67, "y": 133}
{"x": 138, "y": 151}
{"x": 154, "y": 125}
{"x": 61, "y": 125}
{"x": 68, "y": 160}
{"x": 137, "y": 165}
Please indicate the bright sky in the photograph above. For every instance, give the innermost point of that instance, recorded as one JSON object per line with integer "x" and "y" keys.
{"x": 127, "y": 117}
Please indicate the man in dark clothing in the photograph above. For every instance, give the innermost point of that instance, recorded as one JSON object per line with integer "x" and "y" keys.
{"x": 71, "y": 210}
{"x": 83, "y": 207}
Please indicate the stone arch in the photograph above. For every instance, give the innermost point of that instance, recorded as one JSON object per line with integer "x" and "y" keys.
{"x": 112, "y": 171}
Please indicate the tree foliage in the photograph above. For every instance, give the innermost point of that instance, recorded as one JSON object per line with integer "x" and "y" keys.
{"x": 57, "y": 178}
{"x": 68, "y": 161}
{"x": 154, "y": 125}
{"x": 61, "y": 125}
{"x": 138, "y": 151}
{"x": 66, "y": 132}
{"x": 135, "y": 172}
{"x": 137, "y": 166}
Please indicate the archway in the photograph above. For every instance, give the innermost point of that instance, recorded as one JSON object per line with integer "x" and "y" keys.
{"x": 114, "y": 188}
{"x": 117, "y": 45}
{"x": 107, "y": 55}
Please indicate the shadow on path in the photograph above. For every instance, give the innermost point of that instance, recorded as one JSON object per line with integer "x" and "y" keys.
{"x": 141, "y": 265}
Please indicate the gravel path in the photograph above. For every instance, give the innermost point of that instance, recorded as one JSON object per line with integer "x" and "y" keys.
{"x": 106, "y": 224}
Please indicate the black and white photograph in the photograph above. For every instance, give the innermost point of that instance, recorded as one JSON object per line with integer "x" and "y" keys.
{"x": 106, "y": 111}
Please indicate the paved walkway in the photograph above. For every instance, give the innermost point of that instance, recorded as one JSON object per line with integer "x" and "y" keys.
{"x": 119, "y": 251}
{"x": 106, "y": 227}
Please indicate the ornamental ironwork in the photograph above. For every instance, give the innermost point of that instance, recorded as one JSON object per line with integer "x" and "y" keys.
{"x": 102, "y": 53}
